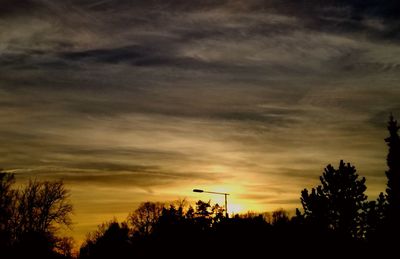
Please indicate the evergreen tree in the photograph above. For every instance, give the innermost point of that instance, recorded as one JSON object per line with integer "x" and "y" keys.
{"x": 337, "y": 203}
{"x": 374, "y": 217}
{"x": 393, "y": 173}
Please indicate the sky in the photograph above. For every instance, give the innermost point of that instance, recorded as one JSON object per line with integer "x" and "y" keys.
{"x": 133, "y": 101}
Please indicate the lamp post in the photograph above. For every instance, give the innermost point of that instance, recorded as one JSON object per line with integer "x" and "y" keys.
{"x": 221, "y": 193}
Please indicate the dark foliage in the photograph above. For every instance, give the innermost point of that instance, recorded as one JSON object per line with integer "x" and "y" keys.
{"x": 375, "y": 218}
{"x": 387, "y": 228}
{"x": 111, "y": 240}
{"x": 393, "y": 173}
{"x": 182, "y": 232}
{"x": 338, "y": 202}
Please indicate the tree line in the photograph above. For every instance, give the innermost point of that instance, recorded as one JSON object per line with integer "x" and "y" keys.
{"x": 336, "y": 219}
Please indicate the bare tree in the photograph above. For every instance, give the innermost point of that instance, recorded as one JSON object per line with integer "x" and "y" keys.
{"x": 42, "y": 207}
{"x": 64, "y": 246}
{"x": 7, "y": 200}
{"x": 30, "y": 217}
{"x": 145, "y": 217}
{"x": 280, "y": 216}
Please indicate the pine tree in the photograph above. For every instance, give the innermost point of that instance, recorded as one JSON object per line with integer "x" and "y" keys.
{"x": 393, "y": 173}
{"x": 375, "y": 217}
{"x": 337, "y": 203}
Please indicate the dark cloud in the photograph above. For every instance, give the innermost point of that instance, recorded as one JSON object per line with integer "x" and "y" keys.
{"x": 129, "y": 54}
{"x": 60, "y": 41}
{"x": 138, "y": 56}
{"x": 11, "y": 7}
{"x": 115, "y": 175}
{"x": 284, "y": 201}
{"x": 256, "y": 197}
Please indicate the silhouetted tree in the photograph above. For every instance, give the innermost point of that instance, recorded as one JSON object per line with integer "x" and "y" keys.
{"x": 7, "y": 200}
{"x": 280, "y": 217}
{"x": 393, "y": 173}
{"x": 203, "y": 209}
{"x": 110, "y": 240}
{"x": 30, "y": 217}
{"x": 145, "y": 217}
{"x": 42, "y": 207}
{"x": 64, "y": 246}
{"x": 203, "y": 214}
{"x": 337, "y": 203}
{"x": 176, "y": 221}
{"x": 218, "y": 213}
{"x": 375, "y": 217}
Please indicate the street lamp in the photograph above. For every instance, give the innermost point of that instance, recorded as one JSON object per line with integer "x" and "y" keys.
{"x": 221, "y": 193}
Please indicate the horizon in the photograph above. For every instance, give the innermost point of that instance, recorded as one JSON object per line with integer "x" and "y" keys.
{"x": 134, "y": 101}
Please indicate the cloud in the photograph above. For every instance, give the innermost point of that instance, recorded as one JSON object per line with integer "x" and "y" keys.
{"x": 10, "y": 7}
{"x": 115, "y": 175}
{"x": 225, "y": 37}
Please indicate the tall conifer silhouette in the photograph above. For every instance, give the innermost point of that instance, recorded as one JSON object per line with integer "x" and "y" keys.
{"x": 337, "y": 203}
{"x": 393, "y": 172}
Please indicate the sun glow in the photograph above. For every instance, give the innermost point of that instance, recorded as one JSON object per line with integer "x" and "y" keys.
{"x": 236, "y": 205}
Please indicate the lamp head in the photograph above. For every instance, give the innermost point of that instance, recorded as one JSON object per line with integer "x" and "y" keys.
{"x": 197, "y": 190}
